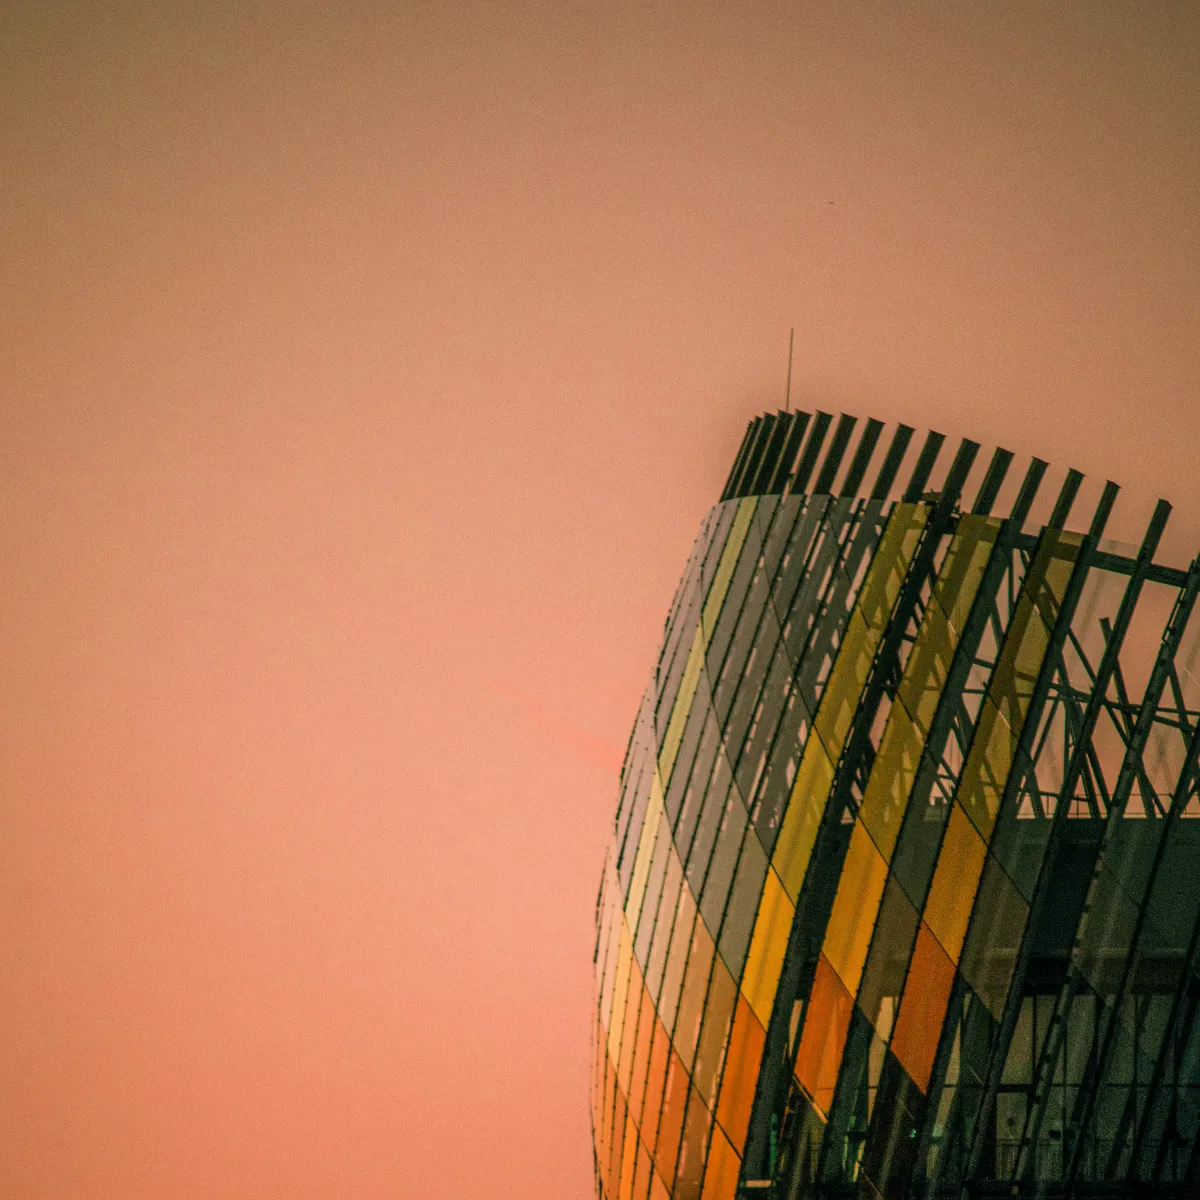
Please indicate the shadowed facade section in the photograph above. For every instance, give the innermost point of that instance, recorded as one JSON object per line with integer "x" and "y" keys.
{"x": 904, "y": 892}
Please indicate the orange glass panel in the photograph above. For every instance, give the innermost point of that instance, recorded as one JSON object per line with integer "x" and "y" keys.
{"x": 689, "y": 1174}
{"x": 641, "y": 1173}
{"x": 604, "y": 1142}
{"x": 660, "y": 1056}
{"x": 670, "y": 1127}
{"x": 824, "y": 1038}
{"x": 741, "y": 1073}
{"x": 854, "y": 908}
{"x": 620, "y": 1117}
{"x": 721, "y": 1174}
{"x": 714, "y": 1033}
{"x": 955, "y": 881}
{"x": 923, "y": 1008}
{"x": 695, "y": 989}
{"x": 633, "y": 1006}
{"x": 625, "y": 1188}
{"x": 641, "y": 1053}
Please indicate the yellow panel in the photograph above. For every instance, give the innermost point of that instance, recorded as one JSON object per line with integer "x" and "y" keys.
{"x": 842, "y": 694}
{"x": 767, "y": 947}
{"x": 890, "y": 563}
{"x": 806, "y": 806}
{"x": 1056, "y": 561}
{"x": 645, "y": 852}
{"x": 729, "y": 557}
{"x": 966, "y": 560}
{"x": 986, "y": 772}
{"x": 928, "y": 665}
{"x": 859, "y": 892}
{"x": 891, "y": 780}
{"x": 955, "y": 881}
{"x": 683, "y": 706}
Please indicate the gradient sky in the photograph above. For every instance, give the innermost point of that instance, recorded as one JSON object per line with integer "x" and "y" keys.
{"x": 366, "y": 372}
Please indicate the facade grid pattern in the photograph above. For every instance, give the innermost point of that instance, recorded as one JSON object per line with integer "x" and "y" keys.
{"x": 903, "y": 897}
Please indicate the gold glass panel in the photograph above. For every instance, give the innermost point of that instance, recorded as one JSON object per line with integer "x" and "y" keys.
{"x": 806, "y": 806}
{"x": 891, "y": 780}
{"x": 844, "y": 690}
{"x": 859, "y": 892}
{"x": 955, "y": 882}
{"x": 966, "y": 561}
{"x": 768, "y": 944}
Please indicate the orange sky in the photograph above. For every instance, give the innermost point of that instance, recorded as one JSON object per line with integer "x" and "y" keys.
{"x": 366, "y": 373}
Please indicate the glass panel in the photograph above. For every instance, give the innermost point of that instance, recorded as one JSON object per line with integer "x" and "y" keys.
{"x": 724, "y": 860}
{"x": 826, "y": 1022}
{"x": 743, "y": 600}
{"x": 715, "y": 595}
{"x": 721, "y": 1174}
{"x": 923, "y": 1008}
{"x": 891, "y": 779}
{"x": 986, "y": 773}
{"x": 960, "y": 865}
{"x": 738, "y": 924}
{"x": 859, "y": 892}
{"x": 683, "y": 706}
{"x": 722, "y": 996}
{"x": 802, "y": 818}
{"x": 681, "y": 939}
{"x": 927, "y": 668}
{"x": 641, "y": 1054}
{"x": 695, "y": 988}
{"x": 995, "y": 937}
{"x": 883, "y": 978}
{"x": 657, "y": 958}
{"x": 656, "y": 1078}
{"x": 841, "y": 698}
{"x": 674, "y": 1108}
{"x": 767, "y": 948}
{"x": 689, "y": 1174}
{"x": 633, "y": 1007}
{"x": 966, "y": 561}
{"x": 741, "y": 1073}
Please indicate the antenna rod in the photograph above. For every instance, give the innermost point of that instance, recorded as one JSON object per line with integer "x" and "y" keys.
{"x": 787, "y": 400}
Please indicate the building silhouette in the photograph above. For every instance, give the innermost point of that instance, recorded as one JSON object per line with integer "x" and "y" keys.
{"x": 904, "y": 892}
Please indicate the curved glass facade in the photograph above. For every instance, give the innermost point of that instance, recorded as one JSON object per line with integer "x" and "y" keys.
{"x": 904, "y": 892}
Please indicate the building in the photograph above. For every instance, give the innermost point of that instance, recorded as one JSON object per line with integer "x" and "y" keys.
{"x": 904, "y": 890}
